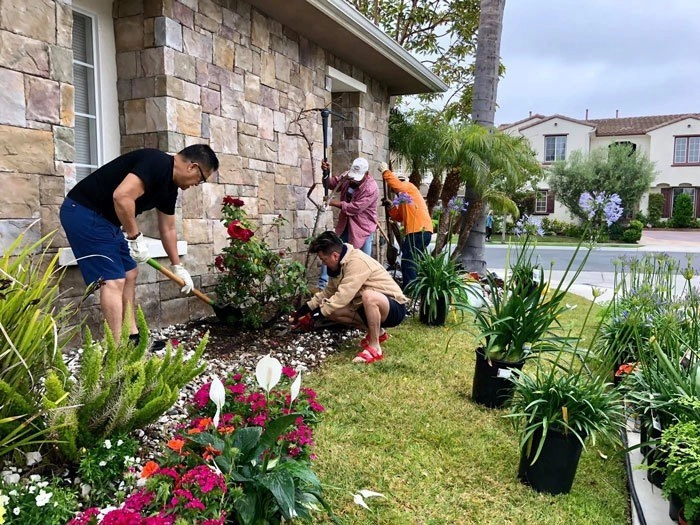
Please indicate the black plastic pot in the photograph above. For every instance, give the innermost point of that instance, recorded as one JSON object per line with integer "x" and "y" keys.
{"x": 440, "y": 316}
{"x": 674, "y": 506}
{"x": 555, "y": 468}
{"x": 654, "y": 458}
{"x": 491, "y": 386}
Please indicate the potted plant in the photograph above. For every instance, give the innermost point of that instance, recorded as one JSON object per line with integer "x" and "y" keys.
{"x": 437, "y": 285}
{"x": 681, "y": 442}
{"x": 556, "y": 409}
{"x": 521, "y": 318}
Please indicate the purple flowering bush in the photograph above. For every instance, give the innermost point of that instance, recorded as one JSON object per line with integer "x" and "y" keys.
{"x": 522, "y": 317}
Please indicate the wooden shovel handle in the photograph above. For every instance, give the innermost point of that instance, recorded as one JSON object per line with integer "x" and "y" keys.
{"x": 170, "y": 275}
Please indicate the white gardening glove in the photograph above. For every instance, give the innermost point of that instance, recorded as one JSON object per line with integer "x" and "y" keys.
{"x": 383, "y": 166}
{"x": 183, "y": 274}
{"x": 138, "y": 249}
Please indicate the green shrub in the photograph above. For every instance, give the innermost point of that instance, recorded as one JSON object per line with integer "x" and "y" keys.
{"x": 631, "y": 235}
{"x": 32, "y": 339}
{"x": 682, "y": 211}
{"x": 655, "y": 208}
{"x": 117, "y": 389}
{"x": 260, "y": 282}
{"x": 682, "y": 443}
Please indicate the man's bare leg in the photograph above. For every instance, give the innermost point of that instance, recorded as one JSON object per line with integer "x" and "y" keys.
{"x": 129, "y": 299}
{"x": 376, "y": 306}
{"x": 111, "y": 293}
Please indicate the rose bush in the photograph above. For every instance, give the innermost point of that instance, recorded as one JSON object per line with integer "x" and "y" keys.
{"x": 259, "y": 282}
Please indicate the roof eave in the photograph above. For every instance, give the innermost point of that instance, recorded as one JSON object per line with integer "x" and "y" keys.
{"x": 342, "y": 30}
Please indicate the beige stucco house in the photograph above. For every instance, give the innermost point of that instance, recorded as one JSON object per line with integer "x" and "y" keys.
{"x": 671, "y": 142}
{"x": 82, "y": 81}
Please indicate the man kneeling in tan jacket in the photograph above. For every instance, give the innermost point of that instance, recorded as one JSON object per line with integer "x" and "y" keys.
{"x": 360, "y": 293}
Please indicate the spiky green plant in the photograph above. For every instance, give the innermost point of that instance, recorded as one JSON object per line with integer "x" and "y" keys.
{"x": 118, "y": 388}
{"x": 32, "y": 337}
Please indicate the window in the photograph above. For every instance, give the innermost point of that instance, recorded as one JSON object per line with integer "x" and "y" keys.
{"x": 85, "y": 79}
{"x": 541, "y": 201}
{"x": 631, "y": 145}
{"x": 686, "y": 150}
{"x": 554, "y": 148}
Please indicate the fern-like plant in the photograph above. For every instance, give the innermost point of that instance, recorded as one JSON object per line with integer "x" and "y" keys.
{"x": 118, "y": 388}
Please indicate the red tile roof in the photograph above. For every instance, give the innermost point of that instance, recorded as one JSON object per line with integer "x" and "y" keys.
{"x": 636, "y": 125}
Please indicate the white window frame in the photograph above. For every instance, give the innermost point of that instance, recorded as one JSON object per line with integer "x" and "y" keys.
{"x": 98, "y": 161}
{"x": 541, "y": 201}
{"x": 556, "y": 155}
{"x": 682, "y": 149}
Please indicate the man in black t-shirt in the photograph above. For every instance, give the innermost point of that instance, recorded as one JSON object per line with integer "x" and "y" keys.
{"x": 99, "y": 218}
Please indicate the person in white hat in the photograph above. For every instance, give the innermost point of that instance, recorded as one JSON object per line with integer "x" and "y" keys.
{"x": 357, "y": 202}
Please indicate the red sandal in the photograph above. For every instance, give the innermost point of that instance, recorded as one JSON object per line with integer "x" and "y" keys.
{"x": 368, "y": 355}
{"x": 365, "y": 340}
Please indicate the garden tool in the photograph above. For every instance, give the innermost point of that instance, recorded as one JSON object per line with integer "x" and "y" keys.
{"x": 224, "y": 312}
{"x": 392, "y": 252}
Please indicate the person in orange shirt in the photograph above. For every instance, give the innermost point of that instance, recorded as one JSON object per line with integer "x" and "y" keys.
{"x": 408, "y": 208}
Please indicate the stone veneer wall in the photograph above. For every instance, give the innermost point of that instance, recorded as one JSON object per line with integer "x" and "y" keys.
{"x": 188, "y": 71}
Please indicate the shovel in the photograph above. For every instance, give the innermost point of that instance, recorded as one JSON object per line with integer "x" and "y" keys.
{"x": 225, "y": 312}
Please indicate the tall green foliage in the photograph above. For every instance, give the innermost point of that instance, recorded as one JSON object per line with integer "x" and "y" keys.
{"x": 682, "y": 211}
{"x": 442, "y": 33}
{"x": 31, "y": 338}
{"x": 656, "y": 208}
{"x": 118, "y": 388}
{"x": 616, "y": 169}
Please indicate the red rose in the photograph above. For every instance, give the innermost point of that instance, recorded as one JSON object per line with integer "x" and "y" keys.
{"x": 228, "y": 200}
{"x": 237, "y": 231}
{"x": 219, "y": 263}
{"x": 238, "y": 203}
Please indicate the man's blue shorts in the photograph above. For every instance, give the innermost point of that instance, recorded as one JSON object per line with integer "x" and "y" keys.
{"x": 98, "y": 245}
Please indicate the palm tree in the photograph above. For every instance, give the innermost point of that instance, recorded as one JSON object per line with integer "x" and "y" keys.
{"x": 486, "y": 162}
{"x": 487, "y": 63}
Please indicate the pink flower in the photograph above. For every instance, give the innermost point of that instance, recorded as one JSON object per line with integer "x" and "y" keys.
{"x": 201, "y": 398}
{"x": 238, "y": 388}
{"x": 289, "y": 371}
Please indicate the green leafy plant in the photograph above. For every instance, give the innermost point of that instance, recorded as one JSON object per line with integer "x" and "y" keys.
{"x": 117, "y": 388}
{"x": 38, "y": 500}
{"x": 32, "y": 338}
{"x": 682, "y": 216}
{"x": 437, "y": 281}
{"x": 245, "y": 454}
{"x": 655, "y": 208}
{"x": 262, "y": 283}
{"x": 522, "y": 316}
{"x": 681, "y": 442}
{"x": 633, "y": 232}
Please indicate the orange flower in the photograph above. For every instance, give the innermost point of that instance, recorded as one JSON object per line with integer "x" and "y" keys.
{"x": 149, "y": 469}
{"x": 226, "y": 429}
{"x": 210, "y": 452}
{"x": 191, "y": 431}
{"x": 203, "y": 423}
{"x": 176, "y": 445}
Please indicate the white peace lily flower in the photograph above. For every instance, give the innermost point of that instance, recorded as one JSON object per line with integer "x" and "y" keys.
{"x": 371, "y": 494}
{"x": 35, "y": 478}
{"x": 33, "y": 458}
{"x": 296, "y": 386}
{"x": 359, "y": 500}
{"x": 217, "y": 393}
{"x": 268, "y": 372}
{"x": 108, "y": 444}
{"x": 120, "y": 442}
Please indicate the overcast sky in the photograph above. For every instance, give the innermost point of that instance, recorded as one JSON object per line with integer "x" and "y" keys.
{"x": 641, "y": 57}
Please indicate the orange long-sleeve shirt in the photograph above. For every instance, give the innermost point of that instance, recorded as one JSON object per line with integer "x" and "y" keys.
{"x": 414, "y": 216}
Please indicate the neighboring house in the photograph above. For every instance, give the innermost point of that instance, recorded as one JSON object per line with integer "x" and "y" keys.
{"x": 82, "y": 81}
{"x": 671, "y": 142}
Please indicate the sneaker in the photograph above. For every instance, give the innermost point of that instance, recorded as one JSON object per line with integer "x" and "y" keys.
{"x": 156, "y": 344}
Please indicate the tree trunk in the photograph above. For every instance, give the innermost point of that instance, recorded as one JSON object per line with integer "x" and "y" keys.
{"x": 487, "y": 60}
{"x": 434, "y": 191}
{"x": 415, "y": 178}
{"x": 449, "y": 190}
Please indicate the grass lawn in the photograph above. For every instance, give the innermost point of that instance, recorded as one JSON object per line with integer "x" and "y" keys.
{"x": 406, "y": 427}
{"x": 562, "y": 240}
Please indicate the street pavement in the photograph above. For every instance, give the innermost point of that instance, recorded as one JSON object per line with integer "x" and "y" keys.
{"x": 652, "y": 241}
